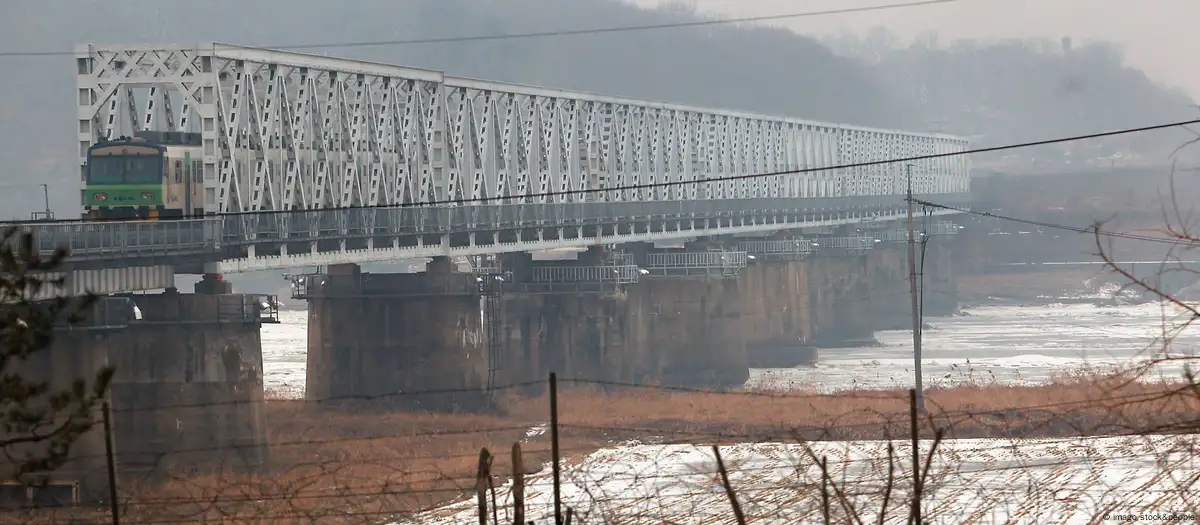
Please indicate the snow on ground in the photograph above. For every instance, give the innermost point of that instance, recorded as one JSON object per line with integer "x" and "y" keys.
{"x": 977, "y": 481}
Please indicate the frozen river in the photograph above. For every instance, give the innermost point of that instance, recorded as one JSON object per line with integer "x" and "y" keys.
{"x": 1019, "y": 344}
{"x": 1066, "y": 481}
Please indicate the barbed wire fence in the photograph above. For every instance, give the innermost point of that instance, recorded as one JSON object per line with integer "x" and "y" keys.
{"x": 787, "y": 458}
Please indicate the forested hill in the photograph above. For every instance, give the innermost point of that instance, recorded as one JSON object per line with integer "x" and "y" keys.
{"x": 757, "y": 69}
{"x": 1012, "y": 91}
{"x": 997, "y": 93}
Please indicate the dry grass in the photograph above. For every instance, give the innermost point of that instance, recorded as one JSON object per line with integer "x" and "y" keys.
{"x": 365, "y": 466}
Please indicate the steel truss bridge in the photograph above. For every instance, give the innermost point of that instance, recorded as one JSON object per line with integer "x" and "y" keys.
{"x": 312, "y": 160}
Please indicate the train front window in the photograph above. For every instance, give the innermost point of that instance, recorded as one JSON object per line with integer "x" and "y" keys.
{"x": 125, "y": 169}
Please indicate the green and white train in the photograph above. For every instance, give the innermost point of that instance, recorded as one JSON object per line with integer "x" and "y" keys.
{"x": 153, "y": 175}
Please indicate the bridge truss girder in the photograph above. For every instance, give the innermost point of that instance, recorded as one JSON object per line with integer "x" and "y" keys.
{"x": 287, "y": 131}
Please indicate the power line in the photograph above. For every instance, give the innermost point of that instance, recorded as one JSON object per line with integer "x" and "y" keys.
{"x": 558, "y": 33}
{"x": 728, "y": 178}
{"x": 1074, "y": 229}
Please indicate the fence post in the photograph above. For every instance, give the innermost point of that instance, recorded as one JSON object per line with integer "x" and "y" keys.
{"x": 916, "y": 456}
{"x": 729, "y": 492}
{"x": 558, "y": 517}
{"x": 481, "y": 476}
{"x": 112, "y": 464}
{"x": 518, "y": 488}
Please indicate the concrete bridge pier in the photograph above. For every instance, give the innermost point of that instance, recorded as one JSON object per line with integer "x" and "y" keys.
{"x": 188, "y": 386}
{"x": 940, "y": 294}
{"x": 75, "y": 352}
{"x": 692, "y": 302}
{"x": 776, "y": 308}
{"x": 388, "y": 337}
{"x": 839, "y": 280}
{"x": 890, "y": 299}
{"x": 830, "y": 290}
{"x": 186, "y": 393}
{"x": 575, "y": 318}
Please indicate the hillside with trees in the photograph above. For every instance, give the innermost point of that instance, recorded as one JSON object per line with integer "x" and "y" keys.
{"x": 1011, "y": 91}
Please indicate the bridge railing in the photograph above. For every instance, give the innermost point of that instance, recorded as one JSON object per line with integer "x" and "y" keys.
{"x": 892, "y": 236}
{"x": 324, "y": 223}
{"x": 724, "y": 263}
{"x": 943, "y": 228}
{"x": 841, "y": 245}
{"x": 779, "y": 247}
{"x": 618, "y": 274}
{"x": 89, "y": 239}
{"x": 210, "y": 234}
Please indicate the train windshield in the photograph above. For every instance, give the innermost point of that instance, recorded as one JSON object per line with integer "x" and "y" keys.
{"x": 125, "y": 169}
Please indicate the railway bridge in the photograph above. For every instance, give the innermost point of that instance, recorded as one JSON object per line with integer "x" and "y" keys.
{"x": 710, "y": 240}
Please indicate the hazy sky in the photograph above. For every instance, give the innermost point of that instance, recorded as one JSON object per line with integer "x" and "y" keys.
{"x": 1158, "y": 35}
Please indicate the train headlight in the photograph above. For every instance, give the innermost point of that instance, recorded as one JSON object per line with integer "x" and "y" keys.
{"x": 100, "y": 196}
{"x": 147, "y": 196}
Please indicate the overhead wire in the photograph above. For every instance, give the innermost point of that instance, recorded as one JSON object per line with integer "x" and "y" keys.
{"x": 560, "y": 32}
{"x": 1075, "y": 229}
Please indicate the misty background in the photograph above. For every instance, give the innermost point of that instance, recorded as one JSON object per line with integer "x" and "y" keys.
{"x": 995, "y": 91}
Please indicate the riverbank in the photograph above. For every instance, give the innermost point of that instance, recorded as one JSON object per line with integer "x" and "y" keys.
{"x": 366, "y": 466}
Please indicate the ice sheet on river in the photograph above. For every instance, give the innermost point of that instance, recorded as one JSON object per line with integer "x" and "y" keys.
{"x": 981, "y": 481}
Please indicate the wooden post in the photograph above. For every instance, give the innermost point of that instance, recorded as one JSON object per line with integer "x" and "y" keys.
{"x": 518, "y": 489}
{"x": 737, "y": 508}
{"x": 558, "y": 516}
{"x": 481, "y": 476}
{"x": 825, "y": 491}
{"x": 916, "y": 457}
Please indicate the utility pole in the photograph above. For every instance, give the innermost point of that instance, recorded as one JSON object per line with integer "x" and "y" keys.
{"x": 916, "y": 306}
{"x": 45, "y": 215}
{"x": 46, "y": 199}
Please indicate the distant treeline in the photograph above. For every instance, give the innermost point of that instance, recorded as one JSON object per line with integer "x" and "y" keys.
{"x": 1010, "y": 91}
{"x": 1000, "y": 92}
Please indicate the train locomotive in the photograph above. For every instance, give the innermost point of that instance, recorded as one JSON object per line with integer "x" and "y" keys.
{"x": 154, "y": 175}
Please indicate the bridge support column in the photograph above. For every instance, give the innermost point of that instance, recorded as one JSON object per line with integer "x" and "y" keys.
{"x": 379, "y": 335}
{"x": 801, "y": 294}
{"x": 693, "y": 305}
{"x": 79, "y": 353}
{"x": 940, "y": 297}
{"x": 188, "y": 388}
{"x": 695, "y": 330}
{"x": 776, "y": 313}
{"x": 575, "y": 318}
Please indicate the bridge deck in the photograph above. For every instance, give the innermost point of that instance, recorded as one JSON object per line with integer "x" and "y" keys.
{"x": 238, "y": 243}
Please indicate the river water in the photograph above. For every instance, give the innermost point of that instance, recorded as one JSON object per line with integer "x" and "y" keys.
{"x": 1008, "y": 343}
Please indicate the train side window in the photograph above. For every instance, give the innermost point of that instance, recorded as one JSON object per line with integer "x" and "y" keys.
{"x": 178, "y": 171}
